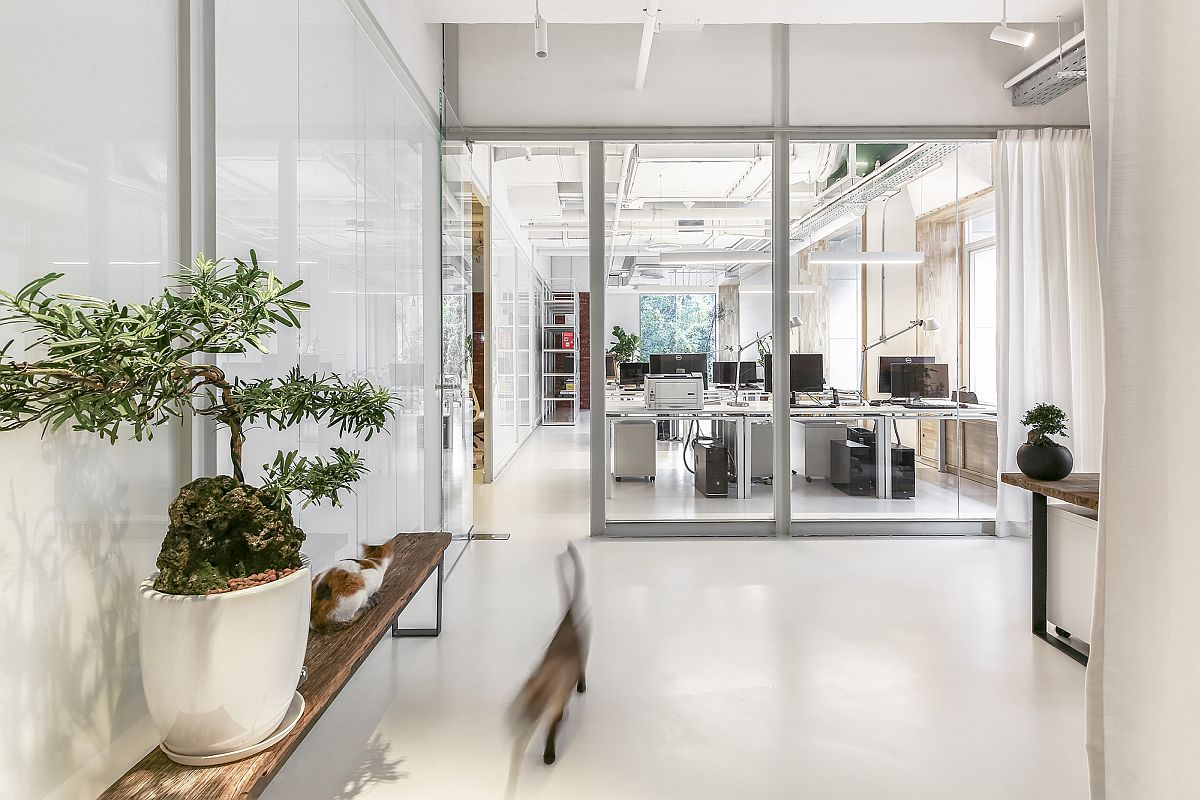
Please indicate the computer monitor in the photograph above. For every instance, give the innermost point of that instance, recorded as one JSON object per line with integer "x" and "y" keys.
{"x": 727, "y": 373}
{"x": 633, "y": 373}
{"x": 610, "y": 367}
{"x": 672, "y": 363}
{"x": 920, "y": 380}
{"x": 806, "y": 371}
{"x": 885, "y": 368}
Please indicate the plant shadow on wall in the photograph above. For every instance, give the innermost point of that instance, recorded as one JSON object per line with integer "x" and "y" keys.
{"x": 70, "y": 571}
{"x": 106, "y": 368}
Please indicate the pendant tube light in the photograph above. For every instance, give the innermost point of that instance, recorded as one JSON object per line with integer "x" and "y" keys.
{"x": 826, "y": 257}
{"x": 1006, "y": 35}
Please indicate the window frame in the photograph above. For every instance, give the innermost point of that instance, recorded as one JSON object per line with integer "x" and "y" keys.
{"x": 966, "y": 282}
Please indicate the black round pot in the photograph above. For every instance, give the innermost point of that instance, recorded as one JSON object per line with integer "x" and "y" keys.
{"x": 1051, "y": 462}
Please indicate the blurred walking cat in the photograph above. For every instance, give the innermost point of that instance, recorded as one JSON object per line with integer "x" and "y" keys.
{"x": 544, "y": 697}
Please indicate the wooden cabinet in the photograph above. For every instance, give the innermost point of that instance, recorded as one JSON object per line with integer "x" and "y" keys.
{"x": 976, "y": 453}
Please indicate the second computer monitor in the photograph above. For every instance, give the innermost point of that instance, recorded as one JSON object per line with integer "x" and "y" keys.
{"x": 680, "y": 363}
{"x": 806, "y": 370}
{"x": 633, "y": 373}
{"x": 727, "y": 373}
{"x": 920, "y": 380}
{"x": 885, "y": 368}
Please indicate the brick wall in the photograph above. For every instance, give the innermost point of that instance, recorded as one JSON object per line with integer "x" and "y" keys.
{"x": 477, "y": 344}
{"x": 585, "y": 350}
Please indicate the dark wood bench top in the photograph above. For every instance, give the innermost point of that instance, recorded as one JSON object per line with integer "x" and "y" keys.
{"x": 331, "y": 659}
{"x": 1078, "y": 488}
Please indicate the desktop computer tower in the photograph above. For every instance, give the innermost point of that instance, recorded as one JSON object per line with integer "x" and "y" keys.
{"x": 712, "y": 469}
{"x": 904, "y": 473}
{"x": 852, "y": 467}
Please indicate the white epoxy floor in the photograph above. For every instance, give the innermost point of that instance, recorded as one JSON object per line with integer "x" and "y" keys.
{"x": 805, "y": 668}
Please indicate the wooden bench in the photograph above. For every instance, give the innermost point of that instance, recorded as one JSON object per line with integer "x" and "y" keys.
{"x": 1079, "y": 489}
{"x": 330, "y": 659}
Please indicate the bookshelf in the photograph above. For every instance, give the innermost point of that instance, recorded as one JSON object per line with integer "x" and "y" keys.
{"x": 560, "y": 353}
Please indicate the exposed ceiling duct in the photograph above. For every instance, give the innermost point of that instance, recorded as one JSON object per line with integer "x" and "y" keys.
{"x": 1052, "y": 75}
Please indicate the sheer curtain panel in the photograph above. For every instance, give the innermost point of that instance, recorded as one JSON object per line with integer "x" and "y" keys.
{"x": 1143, "y": 693}
{"x": 1049, "y": 333}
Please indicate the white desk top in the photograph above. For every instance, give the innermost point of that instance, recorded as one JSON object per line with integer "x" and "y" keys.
{"x": 626, "y": 405}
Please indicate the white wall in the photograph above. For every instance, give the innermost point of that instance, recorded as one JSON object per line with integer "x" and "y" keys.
{"x": 418, "y": 43}
{"x": 716, "y": 76}
{"x": 892, "y": 75}
{"x": 883, "y": 75}
{"x": 88, "y": 180}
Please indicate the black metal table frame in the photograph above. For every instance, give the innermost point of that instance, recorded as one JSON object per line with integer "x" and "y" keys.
{"x": 1057, "y": 637}
{"x": 402, "y": 633}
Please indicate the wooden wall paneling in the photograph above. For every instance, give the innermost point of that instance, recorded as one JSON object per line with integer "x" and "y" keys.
{"x": 813, "y": 309}
{"x": 728, "y": 324}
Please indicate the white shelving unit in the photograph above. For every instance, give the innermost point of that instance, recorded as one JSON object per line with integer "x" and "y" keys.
{"x": 560, "y": 363}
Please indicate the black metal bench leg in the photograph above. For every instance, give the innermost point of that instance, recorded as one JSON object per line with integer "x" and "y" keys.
{"x": 401, "y": 633}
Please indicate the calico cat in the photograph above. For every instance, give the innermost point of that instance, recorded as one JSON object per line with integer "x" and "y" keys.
{"x": 544, "y": 696}
{"x": 342, "y": 593}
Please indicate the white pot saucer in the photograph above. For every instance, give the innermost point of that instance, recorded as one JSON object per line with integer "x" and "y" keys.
{"x": 290, "y": 718}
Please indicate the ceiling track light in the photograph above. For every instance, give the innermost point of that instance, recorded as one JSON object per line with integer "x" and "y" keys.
{"x": 1006, "y": 35}
{"x": 541, "y": 32}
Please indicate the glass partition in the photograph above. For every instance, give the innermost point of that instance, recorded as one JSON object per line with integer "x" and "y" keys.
{"x": 688, "y": 418}
{"x": 325, "y": 166}
{"x": 877, "y": 274}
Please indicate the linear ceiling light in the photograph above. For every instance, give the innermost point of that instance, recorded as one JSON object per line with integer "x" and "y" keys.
{"x": 716, "y": 257}
{"x": 797, "y": 289}
{"x": 1007, "y": 35}
{"x": 823, "y": 257}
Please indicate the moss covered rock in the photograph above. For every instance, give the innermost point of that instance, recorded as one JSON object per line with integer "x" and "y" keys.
{"x": 222, "y": 529}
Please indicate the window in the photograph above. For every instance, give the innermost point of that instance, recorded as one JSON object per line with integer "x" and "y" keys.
{"x": 981, "y": 306}
{"x": 678, "y": 323}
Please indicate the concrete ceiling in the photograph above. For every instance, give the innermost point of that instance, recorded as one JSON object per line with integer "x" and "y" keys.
{"x": 723, "y": 12}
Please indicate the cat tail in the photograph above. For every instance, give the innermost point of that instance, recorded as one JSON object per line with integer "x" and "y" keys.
{"x": 576, "y": 596}
{"x": 520, "y": 746}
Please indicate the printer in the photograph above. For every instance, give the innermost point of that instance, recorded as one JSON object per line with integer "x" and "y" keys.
{"x": 675, "y": 392}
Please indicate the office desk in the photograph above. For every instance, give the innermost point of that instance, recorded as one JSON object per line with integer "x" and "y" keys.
{"x": 627, "y": 406}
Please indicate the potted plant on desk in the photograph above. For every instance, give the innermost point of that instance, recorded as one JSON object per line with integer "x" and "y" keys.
{"x": 224, "y": 622}
{"x": 1042, "y": 458}
{"x": 626, "y": 347}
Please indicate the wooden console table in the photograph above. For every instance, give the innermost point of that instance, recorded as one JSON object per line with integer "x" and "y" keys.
{"x": 330, "y": 658}
{"x": 1080, "y": 489}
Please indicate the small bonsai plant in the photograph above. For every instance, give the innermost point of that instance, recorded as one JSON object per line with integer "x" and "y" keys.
{"x": 626, "y": 347}
{"x": 1045, "y": 420}
{"x": 108, "y": 368}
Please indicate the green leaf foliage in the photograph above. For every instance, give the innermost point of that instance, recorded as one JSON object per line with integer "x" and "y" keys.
{"x": 315, "y": 479}
{"x": 627, "y": 346}
{"x": 1045, "y": 420}
{"x": 357, "y": 407}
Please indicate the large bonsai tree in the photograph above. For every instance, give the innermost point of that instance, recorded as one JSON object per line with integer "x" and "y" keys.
{"x": 123, "y": 369}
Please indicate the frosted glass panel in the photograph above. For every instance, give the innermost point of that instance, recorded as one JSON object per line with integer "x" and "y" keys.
{"x": 322, "y": 163}
{"x": 88, "y": 188}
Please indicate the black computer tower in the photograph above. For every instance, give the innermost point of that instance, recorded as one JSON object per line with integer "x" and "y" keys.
{"x": 852, "y": 467}
{"x": 712, "y": 469}
{"x": 904, "y": 473}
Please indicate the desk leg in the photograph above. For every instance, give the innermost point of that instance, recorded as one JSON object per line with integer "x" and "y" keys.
{"x": 742, "y": 432}
{"x": 608, "y": 439}
{"x": 941, "y": 442}
{"x": 1039, "y": 563}
{"x": 883, "y": 458}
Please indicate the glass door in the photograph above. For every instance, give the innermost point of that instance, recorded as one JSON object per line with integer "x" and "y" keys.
{"x": 458, "y": 414}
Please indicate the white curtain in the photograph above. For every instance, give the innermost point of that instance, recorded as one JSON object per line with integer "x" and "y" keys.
{"x": 1048, "y": 297}
{"x": 1143, "y": 686}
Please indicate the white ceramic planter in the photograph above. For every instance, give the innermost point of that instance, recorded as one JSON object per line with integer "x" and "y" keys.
{"x": 219, "y": 671}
